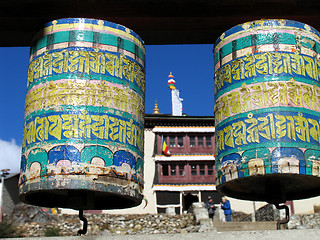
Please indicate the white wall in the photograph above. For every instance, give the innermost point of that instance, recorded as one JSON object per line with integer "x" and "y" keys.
{"x": 305, "y": 206}
{"x": 244, "y": 206}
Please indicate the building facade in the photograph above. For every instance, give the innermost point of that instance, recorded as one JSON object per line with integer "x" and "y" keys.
{"x": 187, "y": 174}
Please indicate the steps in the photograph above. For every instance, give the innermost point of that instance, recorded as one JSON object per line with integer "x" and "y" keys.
{"x": 244, "y": 226}
{"x": 201, "y": 218}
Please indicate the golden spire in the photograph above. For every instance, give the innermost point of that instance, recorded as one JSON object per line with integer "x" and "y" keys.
{"x": 156, "y": 109}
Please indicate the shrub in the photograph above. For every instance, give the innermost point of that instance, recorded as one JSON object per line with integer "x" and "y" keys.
{"x": 51, "y": 231}
{"x": 8, "y": 230}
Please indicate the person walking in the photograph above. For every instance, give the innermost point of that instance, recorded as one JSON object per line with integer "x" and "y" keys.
{"x": 225, "y": 205}
{"x": 209, "y": 205}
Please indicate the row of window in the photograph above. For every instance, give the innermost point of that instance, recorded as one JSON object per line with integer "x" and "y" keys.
{"x": 179, "y": 169}
{"x": 193, "y": 141}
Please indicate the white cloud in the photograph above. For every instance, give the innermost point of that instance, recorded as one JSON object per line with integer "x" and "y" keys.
{"x": 10, "y": 155}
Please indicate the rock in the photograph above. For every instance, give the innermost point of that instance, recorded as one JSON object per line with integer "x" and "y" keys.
{"x": 24, "y": 213}
{"x": 200, "y": 213}
{"x": 204, "y": 228}
{"x": 183, "y": 224}
{"x": 105, "y": 233}
{"x": 205, "y": 225}
{"x": 116, "y": 225}
{"x": 138, "y": 227}
{"x": 171, "y": 211}
{"x": 95, "y": 229}
{"x": 266, "y": 213}
{"x": 183, "y": 231}
{"x": 118, "y": 228}
{"x": 198, "y": 205}
{"x": 302, "y": 227}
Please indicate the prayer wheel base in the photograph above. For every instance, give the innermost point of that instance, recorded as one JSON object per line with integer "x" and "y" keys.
{"x": 79, "y": 199}
{"x": 272, "y": 188}
{"x": 80, "y": 194}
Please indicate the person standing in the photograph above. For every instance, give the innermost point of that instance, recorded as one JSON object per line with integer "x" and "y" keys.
{"x": 225, "y": 205}
{"x": 209, "y": 205}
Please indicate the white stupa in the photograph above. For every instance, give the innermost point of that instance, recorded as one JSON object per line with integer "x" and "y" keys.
{"x": 176, "y": 101}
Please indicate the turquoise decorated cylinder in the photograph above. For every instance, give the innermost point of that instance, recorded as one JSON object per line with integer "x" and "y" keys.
{"x": 84, "y": 114}
{"x": 267, "y": 111}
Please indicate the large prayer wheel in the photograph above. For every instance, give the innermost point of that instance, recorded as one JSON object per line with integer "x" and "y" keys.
{"x": 83, "y": 132}
{"x": 267, "y": 111}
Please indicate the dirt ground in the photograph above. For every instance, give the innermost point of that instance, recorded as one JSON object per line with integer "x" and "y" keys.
{"x": 304, "y": 234}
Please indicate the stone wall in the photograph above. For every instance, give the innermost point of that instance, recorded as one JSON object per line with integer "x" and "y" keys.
{"x": 8, "y": 203}
{"x": 266, "y": 213}
{"x": 114, "y": 225}
{"x": 306, "y": 221}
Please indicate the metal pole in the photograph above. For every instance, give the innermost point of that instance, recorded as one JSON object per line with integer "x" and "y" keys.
{"x": 254, "y": 212}
{"x": 83, "y": 231}
{"x": 181, "y": 205}
{"x": 286, "y": 219}
{"x": 1, "y": 189}
{"x": 4, "y": 173}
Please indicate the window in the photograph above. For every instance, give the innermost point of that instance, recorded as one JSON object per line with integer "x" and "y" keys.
{"x": 200, "y": 141}
{"x": 186, "y": 171}
{"x": 193, "y": 169}
{"x": 210, "y": 169}
{"x": 202, "y": 169}
{"x": 173, "y": 170}
{"x": 180, "y": 141}
{"x": 181, "y": 169}
{"x": 192, "y": 141}
{"x": 165, "y": 170}
{"x": 164, "y": 138}
{"x": 172, "y": 141}
{"x": 208, "y": 141}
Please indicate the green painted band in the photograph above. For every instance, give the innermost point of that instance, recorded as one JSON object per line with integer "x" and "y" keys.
{"x": 88, "y": 142}
{"x": 88, "y": 36}
{"x": 264, "y": 39}
{"x": 269, "y": 145}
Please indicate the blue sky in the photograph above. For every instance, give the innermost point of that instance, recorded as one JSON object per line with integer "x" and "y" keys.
{"x": 191, "y": 65}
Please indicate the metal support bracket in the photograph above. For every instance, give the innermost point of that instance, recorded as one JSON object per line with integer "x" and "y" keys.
{"x": 85, "y": 224}
{"x": 286, "y": 219}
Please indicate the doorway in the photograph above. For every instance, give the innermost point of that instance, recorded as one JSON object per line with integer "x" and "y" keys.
{"x": 188, "y": 199}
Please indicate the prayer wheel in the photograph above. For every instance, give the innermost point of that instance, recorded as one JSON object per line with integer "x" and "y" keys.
{"x": 267, "y": 111}
{"x": 84, "y": 113}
